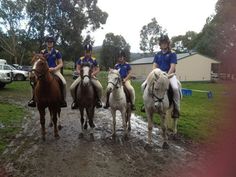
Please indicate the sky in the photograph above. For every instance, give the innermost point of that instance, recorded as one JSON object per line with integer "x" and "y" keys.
{"x": 127, "y": 17}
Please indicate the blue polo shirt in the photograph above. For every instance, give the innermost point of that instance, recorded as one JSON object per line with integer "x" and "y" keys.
{"x": 165, "y": 59}
{"x": 123, "y": 69}
{"x": 90, "y": 60}
{"x": 52, "y": 57}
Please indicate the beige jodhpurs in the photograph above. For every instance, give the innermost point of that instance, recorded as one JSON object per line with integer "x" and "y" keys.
{"x": 94, "y": 81}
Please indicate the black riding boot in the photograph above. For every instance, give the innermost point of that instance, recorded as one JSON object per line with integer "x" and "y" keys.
{"x": 107, "y": 101}
{"x": 31, "y": 102}
{"x": 63, "y": 103}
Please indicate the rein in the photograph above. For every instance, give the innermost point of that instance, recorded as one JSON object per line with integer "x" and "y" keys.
{"x": 156, "y": 98}
{"x": 115, "y": 84}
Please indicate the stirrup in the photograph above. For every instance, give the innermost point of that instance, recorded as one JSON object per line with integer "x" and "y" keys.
{"x": 31, "y": 103}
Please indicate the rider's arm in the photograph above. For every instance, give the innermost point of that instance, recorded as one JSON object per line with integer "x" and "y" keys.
{"x": 58, "y": 67}
{"x": 155, "y": 65}
{"x": 78, "y": 69}
{"x": 172, "y": 68}
{"x": 95, "y": 70}
{"x": 128, "y": 76}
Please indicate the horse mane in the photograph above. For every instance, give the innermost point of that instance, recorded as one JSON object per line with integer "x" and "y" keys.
{"x": 159, "y": 76}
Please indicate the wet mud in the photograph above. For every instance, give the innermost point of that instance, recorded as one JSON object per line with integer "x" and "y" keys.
{"x": 100, "y": 156}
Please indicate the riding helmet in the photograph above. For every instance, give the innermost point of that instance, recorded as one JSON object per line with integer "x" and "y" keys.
{"x": 164, "y": 39}
{"x": 49, "y": 39}
{"x": 88, "y": 47}
{"x": 122, "y": 54}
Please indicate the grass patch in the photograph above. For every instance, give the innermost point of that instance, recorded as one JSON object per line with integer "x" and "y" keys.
{"x": 10, "y": 123}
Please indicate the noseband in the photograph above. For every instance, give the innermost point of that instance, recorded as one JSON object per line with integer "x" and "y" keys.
{"x": 115, "y": 84}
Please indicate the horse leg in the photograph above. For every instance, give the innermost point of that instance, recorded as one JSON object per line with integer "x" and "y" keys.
{"x": 90, "y": 114}
{"x": 54, "y": 119}
{"x": 164, "y": 131}
{"x": 150, "y": 125}
{"x": 123, "y": 114}
{"x": 59, "y": 119}
{"x": 81, "y": 134}
{"x": 113, "y": 113}
{"x": 51, "y": 117}
{"x": 128, "y": 115}
{"x": 42, "y": 122}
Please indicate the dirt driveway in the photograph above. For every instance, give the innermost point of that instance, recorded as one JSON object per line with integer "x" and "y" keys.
{"x": 70, "y": 156}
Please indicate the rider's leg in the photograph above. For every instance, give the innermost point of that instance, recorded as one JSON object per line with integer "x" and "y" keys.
{"x": 176, "y": 97}
{"x": 31, "y": 102}
{"x": 63, "y": 103}
{"x": 99, "y": 89}
{"x": 132, "y": 94}
{"x": 72, "y": 91}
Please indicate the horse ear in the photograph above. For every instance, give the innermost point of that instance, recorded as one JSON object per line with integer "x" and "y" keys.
{"x": 156, "y": 76}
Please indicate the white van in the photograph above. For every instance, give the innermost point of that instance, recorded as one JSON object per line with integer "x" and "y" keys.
{"x": 3, "y": 61}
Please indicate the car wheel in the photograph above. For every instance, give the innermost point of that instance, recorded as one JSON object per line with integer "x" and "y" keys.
{"x": 20, "y": 77}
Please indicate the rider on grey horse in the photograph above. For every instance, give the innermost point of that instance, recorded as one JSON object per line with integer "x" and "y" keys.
{"x": 124, "y": 69}
{"x": 166, "y": 60}
{"x": 87, "y": 58}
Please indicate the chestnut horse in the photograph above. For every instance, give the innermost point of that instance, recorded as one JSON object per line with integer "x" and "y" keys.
{"x": 47, "y": 92}
{"x": 86, "y": 98}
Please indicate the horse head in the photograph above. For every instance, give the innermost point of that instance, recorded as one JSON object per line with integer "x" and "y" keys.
{"x": 40, "y": 66}
{"x": 85, "y": 73}
{"x": 114, "y": 80}
{"x": 158, "y": 84}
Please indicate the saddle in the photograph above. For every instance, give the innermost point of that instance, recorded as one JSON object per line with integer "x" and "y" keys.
{"x": 127, "y": 94}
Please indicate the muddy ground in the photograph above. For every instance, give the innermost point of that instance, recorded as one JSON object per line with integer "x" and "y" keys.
{"x": 70, "y": 156}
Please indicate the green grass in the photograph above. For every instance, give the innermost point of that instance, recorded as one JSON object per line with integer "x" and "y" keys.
{"x": 10, "y": 123}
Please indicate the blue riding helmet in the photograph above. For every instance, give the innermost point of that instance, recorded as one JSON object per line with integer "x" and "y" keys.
{"x": 88, "y": 47}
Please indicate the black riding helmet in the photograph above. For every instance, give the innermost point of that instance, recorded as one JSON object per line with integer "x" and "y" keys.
{"x": 49, "y": 39}
{"x": 164, "y": 39}
{"x": 88, "y": 47}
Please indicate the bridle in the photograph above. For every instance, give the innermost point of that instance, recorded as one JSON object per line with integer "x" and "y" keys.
{"x": 154, "y": 97}
{"x": 116, "y": 84}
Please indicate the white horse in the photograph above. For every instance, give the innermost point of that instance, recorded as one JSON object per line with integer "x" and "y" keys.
{"x": 156, "y": 100}
{"x": 117, "y": 101}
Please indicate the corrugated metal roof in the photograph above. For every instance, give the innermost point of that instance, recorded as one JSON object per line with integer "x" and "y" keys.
{"x": 149, "y": 60}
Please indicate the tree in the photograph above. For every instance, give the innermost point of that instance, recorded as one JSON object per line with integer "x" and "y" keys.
{"x": 112, "y": 44}
{"x": 187, "y": 41}
{"x": 11, "y": 16}
{"x": 149, "y": 36}
{"x": 217, "y": 39}
{"x": 65, "y": 20}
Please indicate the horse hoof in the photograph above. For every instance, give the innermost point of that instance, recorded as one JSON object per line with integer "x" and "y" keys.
{"x": 165, "y": 145}
{"x": 176, "y": 137}
{"x": 85, "y": 126}
{"x": 59, "y": 127}
{"x": 129, "y": 128}
{"x": 81, "y": 135}
{"x": 126, "y": 137}
{"x": 51, "y": 124}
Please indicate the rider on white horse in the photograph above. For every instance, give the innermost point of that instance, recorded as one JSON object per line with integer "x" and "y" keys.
{"x": 166, "y": 60}
{"x": 124, "y": 69}
{"x": 87, "y": 58}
